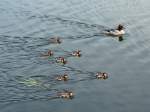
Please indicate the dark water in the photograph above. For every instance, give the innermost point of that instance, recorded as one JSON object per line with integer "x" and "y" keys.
{"x": 27, "y": 81}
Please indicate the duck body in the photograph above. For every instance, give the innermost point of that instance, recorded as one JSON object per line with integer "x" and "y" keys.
{"x": 119, "y": 31}
{"x": 66, "y": 95}
{"x": 101, "y": 75}
{"x": 114, "y": 32}
{"x": 61, "y": 60}
{"x": 62, "y": 77}
{"x": 76, "y": 53}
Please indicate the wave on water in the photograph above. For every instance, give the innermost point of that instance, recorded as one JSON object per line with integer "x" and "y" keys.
{"x": 39, "y": 87}
{"x": 52, "y": 23}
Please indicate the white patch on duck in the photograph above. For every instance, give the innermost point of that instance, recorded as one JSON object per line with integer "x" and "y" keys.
{"x": 115, "y": 32}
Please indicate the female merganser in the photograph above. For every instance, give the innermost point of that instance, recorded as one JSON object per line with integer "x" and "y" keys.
{"x": 76, "y": 53}
{"x": 55, "y": 40}
{"x": 115, "y": 32}
{"x": 66, "y": 94}
{"x": 62, "y": 77}
{"x": 61, "y": 60}
{"x": 101, "y": 75}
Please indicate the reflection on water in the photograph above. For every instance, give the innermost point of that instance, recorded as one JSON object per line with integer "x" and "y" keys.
{"x": 27, "y": 79}
{"x": 120, "y": 38}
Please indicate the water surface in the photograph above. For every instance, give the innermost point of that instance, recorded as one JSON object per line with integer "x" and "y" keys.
{"x": 27, "y": 80}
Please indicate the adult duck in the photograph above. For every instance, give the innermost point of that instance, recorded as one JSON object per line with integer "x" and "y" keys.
{"x": 115, "y": 32}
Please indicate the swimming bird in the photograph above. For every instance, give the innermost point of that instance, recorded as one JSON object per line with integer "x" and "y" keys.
{"x": 49, "y": 53}
{"x": 62, "y": 77}
{"x": 101, "y": 75}
{"x": 76, "y": 53}
{"x": 61, "y": 60}
{"x": 115, "y": 32}
{"x": 65, "y": 94}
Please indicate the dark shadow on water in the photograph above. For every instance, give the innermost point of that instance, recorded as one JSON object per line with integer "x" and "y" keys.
{"x": 120, "y": 38}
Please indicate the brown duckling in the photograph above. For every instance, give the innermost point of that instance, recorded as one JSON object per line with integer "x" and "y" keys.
{"x": 61, "y": 60}
{"x": 101, "y": 75}
{"x": 66, "y": 94}
{"x": 76, "y": 53}
{"x": 62, "y": 77}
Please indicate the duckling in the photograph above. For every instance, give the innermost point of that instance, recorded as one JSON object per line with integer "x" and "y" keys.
{"x": 55, "y": 40}
{"x": 61, "y": 60}
{"x": 62, "y": 77}
{"x": 115, "y": 32}
{"x": 76, "y": 53}
{"x": 66, "y": 94}
{"x": 101, "y": 75}
{"x": 49, "y": 53}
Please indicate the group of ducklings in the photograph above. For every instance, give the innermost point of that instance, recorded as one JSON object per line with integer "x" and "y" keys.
{"x": 99, "y": 75}
{"x": 60, "y": 59}
{"x": 65, "y": 77}
{"x": 69, "y": 94}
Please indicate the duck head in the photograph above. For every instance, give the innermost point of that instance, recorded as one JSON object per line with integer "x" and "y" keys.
{"x": 65, "y": 77}
{"x": 120, "y": 27}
